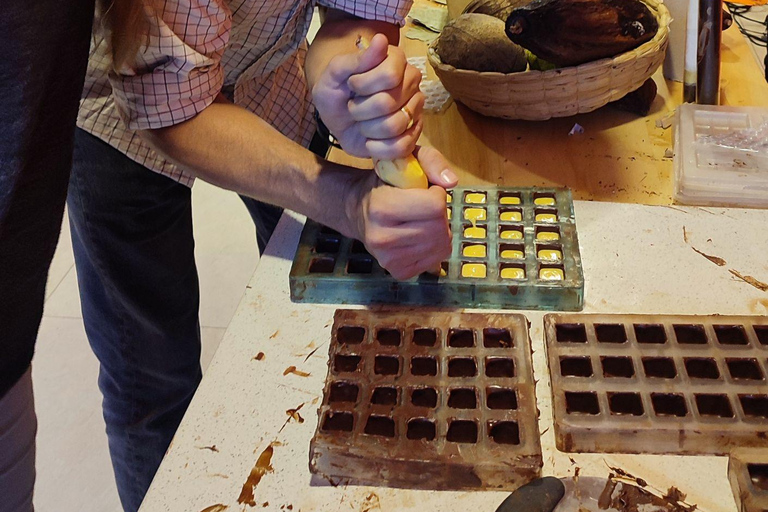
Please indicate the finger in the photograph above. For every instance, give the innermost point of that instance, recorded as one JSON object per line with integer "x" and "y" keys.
{"x": 344, "y": 66}
{"x": 388, "y": 74}
{"x": 363, "y": 108}
{"x": 397, "y": 206}
{"x": 394, "y": 124}
{"x": 399, "y": 147}
{"x": 436, "y": 167}
{"x": 412, "y": 235}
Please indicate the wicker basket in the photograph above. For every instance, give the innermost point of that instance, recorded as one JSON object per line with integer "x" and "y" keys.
{"x": 562, "y": 92}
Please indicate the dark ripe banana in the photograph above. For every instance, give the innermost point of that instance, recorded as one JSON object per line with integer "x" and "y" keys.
{"x": 572, "y": 32}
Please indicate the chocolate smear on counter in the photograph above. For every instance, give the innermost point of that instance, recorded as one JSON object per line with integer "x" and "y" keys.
{"x": 293, "y": 370}
{"x": 215, "y": 508}
{"x": 262, "y": 467}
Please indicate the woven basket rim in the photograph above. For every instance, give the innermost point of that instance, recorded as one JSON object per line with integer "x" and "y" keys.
{"x": 657, "y": 7}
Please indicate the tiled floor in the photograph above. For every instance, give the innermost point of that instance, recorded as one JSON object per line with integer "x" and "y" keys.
{"x": 74, "y": 471}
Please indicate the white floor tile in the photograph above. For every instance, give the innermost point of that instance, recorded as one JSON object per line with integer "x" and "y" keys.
{"x": 221, "y": 222}
{"x": 64, "y": 302}
{"x": 223, "y": 278}
{"x": 211, "y": 337}
{"x": 74, "y": 473}
{"x": 63, "y": 259}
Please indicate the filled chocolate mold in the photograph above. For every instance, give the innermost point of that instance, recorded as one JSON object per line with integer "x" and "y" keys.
{"x": 428, "y": 400}
{"x": 658, "y": 384}
{"x": 512, "y": 248}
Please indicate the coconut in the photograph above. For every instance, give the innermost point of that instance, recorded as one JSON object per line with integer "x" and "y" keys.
{"x": 478, "y": 42}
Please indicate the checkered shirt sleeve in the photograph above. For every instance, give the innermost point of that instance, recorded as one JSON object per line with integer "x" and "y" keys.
{"x": 178, "y": 71}
{"x": 390, "y": 11}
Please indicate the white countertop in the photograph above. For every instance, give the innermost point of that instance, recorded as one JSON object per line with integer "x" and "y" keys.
{"x": 635, "y": 261}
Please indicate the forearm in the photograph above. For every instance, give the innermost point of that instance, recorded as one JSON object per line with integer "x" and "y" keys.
{"x": 337, "y": 35}
{"x": 233, "y": 148}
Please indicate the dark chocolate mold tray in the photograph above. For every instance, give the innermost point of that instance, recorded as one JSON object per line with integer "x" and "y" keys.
{"x": 428, "y": 400}
{"x": 531, "y": 259}
{"x": 658, "y": 384}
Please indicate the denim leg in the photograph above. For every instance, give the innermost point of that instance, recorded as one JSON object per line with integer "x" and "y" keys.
{"x": 134, "y": 251}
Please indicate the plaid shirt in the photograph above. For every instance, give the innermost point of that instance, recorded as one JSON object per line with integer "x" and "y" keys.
{"x": 252, "y": 50}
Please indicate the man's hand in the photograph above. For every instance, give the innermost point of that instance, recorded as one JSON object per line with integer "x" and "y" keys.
{"x": 370, "y": 101}
{"x": 405, "y": 230}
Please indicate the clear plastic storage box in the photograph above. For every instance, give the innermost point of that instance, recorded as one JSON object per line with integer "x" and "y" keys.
{"x": 721, "y": 156}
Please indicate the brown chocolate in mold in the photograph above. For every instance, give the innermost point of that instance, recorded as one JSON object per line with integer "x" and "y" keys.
{"x": 660, "y": 367}
{"x": 625, "y": 403}
{"x": 575, "y": 367}
{"x": 690, "y": 334}
{"x": 618, "y": 367}
{"x": 755, "y": 406}
{"x": 761, "y": 331}
{"x": 500, "y": 367}
{"x": 327, "y": 245}
{"x": 349, "y": 335}
{"x": 338, "y": 422}
{"x": 358, "y": 248}
{"x": 714, "y": 405}
{"x": 343, "y": 392}
{"x": 668, "y": 404}
{"x": 501, "y": 398}
{"x": 701, "y": 368}
{"x": 731, "y": 334}
{"x": 610, "y": 333}
{"x": 497, "y": 338}
{"x": 425, "y": 337}
{"x": 758, "y": 474}
{"x": 421, "y": 428}
{"x": 504, "y": 432}
{"x": 345, "y": 363}
{"x": 650, "y": 333}
{"x": 581, "y": 403}
{"x": 461, "y": 338}
{"x": 744, "y": 369}
{"x": 571, "y": 333}
{"x": 360, "y": 266}
{"x": 322, "y": 265}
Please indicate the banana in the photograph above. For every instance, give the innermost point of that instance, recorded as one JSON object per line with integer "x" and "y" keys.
{"x": 401, "y": 173}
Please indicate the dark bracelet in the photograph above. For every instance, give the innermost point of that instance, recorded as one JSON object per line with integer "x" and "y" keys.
{"x": 325, "y": 133}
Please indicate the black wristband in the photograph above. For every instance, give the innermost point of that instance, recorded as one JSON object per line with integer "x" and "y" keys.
{"x": 325, "y": 133}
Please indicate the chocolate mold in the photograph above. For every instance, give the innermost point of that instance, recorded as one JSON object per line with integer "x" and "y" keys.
{"x": 658, "y": 384}
{"x": 453, "y": 407}
{"x": 512, "y": 248}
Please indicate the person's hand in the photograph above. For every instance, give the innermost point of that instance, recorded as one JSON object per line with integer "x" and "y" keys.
{"x": 405, "y": 230}
{"x": 370, "y": 101}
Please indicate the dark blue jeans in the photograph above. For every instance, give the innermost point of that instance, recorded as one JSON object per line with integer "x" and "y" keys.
{"x": 134, "y": 252}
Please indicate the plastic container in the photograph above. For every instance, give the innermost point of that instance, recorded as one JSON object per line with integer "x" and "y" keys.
{"x": 721, "y": 156}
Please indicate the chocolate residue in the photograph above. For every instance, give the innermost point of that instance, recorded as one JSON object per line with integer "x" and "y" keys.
{"x": 674, "y": 495}
{"x": 259, "y": 356}
{"x": 750, "y": 280}
{"x": 212, "y": 448}
{"x": 685, "y": 235}
{"x": 293, "y": 370}
{"x": 630, "y": 496}
{"x": 215, "y": 508}
{"x": 604, "y": 501}
{"x": 262, "y": 467}
{"x": 294, "y": 414}
{"x": 371, "y": 502}
{"x": 720, "y": 262}
{"x": 274, "y": 334}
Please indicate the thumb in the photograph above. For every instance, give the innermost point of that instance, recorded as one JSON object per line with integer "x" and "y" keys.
{"x": 436, "y": 167}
